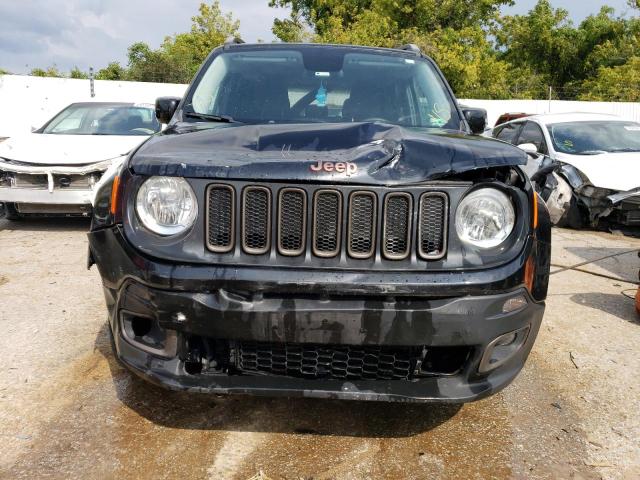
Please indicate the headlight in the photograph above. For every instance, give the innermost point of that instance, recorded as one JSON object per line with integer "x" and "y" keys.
{"x": 166, "y": 205}
{"x": 485, "y": 218}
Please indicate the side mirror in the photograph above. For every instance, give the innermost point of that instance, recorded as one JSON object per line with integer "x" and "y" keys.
{"x": 33, "y": 128}
{"x": 166, "y": 107}
{"x": 529, "y": 149}
{"x": 476, "y": 118}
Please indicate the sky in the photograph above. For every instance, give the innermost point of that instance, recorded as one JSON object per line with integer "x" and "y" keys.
{"x": 85, "y": 33}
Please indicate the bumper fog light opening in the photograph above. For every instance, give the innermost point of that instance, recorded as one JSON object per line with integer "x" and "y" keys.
{"x": 502, "y": 349}
{"x": 147, "y": 335}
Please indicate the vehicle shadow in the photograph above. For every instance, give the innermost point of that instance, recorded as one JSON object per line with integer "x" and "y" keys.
{"x": 47, "y": 224}
{"x": 323, "y": 417}
{"x": 611, "y": 303}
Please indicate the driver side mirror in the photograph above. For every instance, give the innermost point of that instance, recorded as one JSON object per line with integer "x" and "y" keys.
{"x": 166, "y": 107}
{"x": 529, "y": 149}
{"x": 476, "y": 118}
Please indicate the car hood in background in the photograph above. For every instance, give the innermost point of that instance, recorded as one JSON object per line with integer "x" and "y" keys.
{"x": 43, "y": 149}
{"x": 615, "y": 171}
{"x": 376, "y": 153}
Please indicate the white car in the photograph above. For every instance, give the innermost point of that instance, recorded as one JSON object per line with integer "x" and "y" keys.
{"x": 56, "y": 169}
{"x": 586, "y": 166}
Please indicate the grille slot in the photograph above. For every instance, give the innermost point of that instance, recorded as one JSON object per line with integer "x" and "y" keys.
{"x": 220, "y": 218}
{"x": 397, "y": 226}
{"x": 329, "y": 361}
{"x": 327, "y": 223}
{"x": 432, "y": 226}
{"x": 292, "y": 221}
{"x": 256, "y": 220}
{"x": 362, "y": 224}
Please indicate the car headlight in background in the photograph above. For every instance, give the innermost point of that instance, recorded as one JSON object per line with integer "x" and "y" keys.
{"x": 485, "y": 218}
{"x": 166, "y": 205}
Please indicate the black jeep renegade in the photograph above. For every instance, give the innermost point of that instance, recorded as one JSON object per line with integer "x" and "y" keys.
{"x": 322, "y": 221}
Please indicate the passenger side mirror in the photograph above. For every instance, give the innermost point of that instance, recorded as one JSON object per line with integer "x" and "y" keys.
{"x": 529, "y": 149}
{"x": 476, "y": 118}
{"x": 166, "y": 107}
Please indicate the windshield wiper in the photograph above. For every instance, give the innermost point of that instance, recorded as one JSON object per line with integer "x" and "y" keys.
{"x": 211, "y": 118}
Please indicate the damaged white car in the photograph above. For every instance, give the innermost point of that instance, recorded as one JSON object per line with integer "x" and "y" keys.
{"x": 585, "y": 166}
{"x": 57, "y": 169}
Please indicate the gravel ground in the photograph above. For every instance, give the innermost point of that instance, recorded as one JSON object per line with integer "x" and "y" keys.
{"x": 68, "y": 410}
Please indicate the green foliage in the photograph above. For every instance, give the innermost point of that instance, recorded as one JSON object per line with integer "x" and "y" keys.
{"x": 611, "y": 84}
{"x": 77, "y": 73}
{"x": 49, "y": 72}
{"x": 180, "y": 55}
{"x": 113, "y": 71}
{"x": 4, "y": 72}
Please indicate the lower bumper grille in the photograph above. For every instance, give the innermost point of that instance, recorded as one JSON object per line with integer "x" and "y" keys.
{"x": 330, "y": 361}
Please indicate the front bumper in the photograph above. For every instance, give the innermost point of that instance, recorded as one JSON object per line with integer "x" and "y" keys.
{"x": 40, "y": 185}
{"x": 231, "y": 305}
{"x": 40, "y": 196}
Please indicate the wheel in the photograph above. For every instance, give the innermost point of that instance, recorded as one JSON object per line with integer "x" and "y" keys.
{"x": 573, "y": 217}
{"x": 11, "y": 213}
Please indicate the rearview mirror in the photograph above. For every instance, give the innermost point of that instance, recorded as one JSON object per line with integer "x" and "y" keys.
{"x": 476, "y": 118}
{"x": 166, "y": 107}
{"x": 529, "y": 148}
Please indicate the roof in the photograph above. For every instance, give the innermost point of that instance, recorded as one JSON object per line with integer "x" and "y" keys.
{"x": 401, "y": 50}
{"x": 549, "y": 118}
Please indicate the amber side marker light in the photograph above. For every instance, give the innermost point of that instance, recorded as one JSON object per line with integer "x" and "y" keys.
{"x": 115, "y": 196}
{"x": 530, "y": 266}
{"x": 535, "y": 210}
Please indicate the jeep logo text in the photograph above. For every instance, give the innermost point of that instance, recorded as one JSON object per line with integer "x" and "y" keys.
{"x": 341, "y": 167}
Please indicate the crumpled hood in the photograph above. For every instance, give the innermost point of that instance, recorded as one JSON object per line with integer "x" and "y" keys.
{"x": 615, "y": 171}
{"x": 47, "y": 149}
{"x": 368, "y": 153}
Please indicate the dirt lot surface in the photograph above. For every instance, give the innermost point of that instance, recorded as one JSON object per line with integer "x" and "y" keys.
{"x": 68, "y": 410}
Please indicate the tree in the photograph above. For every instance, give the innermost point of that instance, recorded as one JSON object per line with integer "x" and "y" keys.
{"x": 4, "y": 72}
{"x": 113, "y": 71}
{"x": 77, "y": 73}
{"x": 544, "y": 41}
{"x": 180, "y": 55}
{"x": 423, "y": 16}
{"x": 49, "y": 72}
{"x": 614, "y": 84}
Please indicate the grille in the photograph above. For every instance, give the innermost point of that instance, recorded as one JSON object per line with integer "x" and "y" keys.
{"x": 329, "y": 361}
{"x": 309, "y": 220}
{"x": 432, "y": 228}
{"x": 256, "y": 220}
{"x": 327, "y": 222}
{"x": 362, "y": 224}
{"x": 220, "y": 225}
{"x": 397, "y": 226}
{"x": 292, "y": 221}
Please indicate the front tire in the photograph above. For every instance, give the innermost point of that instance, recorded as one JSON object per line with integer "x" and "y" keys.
{"x": 11, "y": 212}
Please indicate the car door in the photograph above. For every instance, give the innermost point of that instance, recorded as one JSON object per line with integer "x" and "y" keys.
{"x": 507, "y": 132}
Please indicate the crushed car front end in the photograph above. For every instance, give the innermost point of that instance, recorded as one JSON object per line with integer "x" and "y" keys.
{"x": 325, "y": 286}
{"x": 339, "y": 234}
{"x": 46, "y": 189}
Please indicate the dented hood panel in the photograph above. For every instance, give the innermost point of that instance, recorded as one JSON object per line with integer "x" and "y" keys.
{"x": 44, "y": 149}
{"x": 615, "y": 171}
{"x": 370, "y": 153}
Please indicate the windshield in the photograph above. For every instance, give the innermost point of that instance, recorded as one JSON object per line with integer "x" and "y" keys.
{"x": 591, "y": 138}
{"x": 318, "y": 84}
{"x": 104, "y": 119}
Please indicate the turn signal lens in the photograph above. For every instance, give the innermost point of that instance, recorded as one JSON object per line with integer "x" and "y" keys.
{"x": 115, "y": 195}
